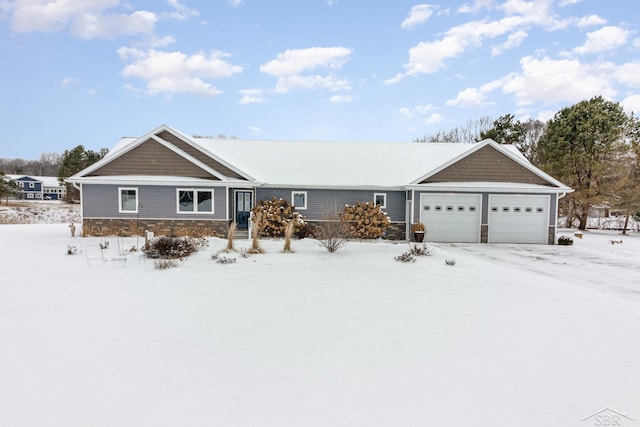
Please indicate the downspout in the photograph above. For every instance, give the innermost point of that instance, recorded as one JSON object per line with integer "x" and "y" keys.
{"x": 408, "y": 214}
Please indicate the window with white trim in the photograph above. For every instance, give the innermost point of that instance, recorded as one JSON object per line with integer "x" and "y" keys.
{"x": 32, "y": 185}
{"x": 128, "y": 200}
{"x": 380, "y": 199}
{"x": 299, "y": 199}
{"x": 194, "y": 201}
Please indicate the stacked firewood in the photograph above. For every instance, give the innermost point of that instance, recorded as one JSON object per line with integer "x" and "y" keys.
{"x": 366, "y": 220}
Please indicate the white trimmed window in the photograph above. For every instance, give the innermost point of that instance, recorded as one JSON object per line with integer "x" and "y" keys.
{"x": 128, "y": 200}
{"x": 380, "y": 199}
{"x": 299, "y": 199}
{"x": 32, "y": 185}
{"x": 195, "y": 201}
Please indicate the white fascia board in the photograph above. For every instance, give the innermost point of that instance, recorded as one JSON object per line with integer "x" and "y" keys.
{"x": 488, "y": 187}
{"x": 159, "y": 180}
{"x": 333, "y": 187}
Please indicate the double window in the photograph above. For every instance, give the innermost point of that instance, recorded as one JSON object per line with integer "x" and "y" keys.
{"x": 195, "y": 201}
{"x": 128, "y": 200}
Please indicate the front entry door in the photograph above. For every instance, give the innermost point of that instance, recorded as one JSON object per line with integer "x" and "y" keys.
{"x": 244, "y": 203}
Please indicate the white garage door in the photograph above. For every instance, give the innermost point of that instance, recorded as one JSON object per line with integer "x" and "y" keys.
{"x": 451, "y": 217}
{"x": 518, "y": 219}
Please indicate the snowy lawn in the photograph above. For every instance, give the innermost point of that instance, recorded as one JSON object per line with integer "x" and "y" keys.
{"x": 511, "y": 335}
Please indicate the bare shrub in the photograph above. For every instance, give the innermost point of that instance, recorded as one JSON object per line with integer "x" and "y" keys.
{"x": 405, "y": 257}
{"x": 450, "y": 262}
{"x": 334, "y": 232}
{"x": 366, "y": 220}
{"x": 421, "y": 250}
{"x": 165, "y": 263}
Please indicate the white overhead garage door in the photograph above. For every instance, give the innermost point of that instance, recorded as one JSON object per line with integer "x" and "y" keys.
{"x": 518, "y": 219}
{"x": 451, "y": 217}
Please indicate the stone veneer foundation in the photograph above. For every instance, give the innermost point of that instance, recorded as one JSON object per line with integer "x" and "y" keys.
{"x": 132, "y": 227}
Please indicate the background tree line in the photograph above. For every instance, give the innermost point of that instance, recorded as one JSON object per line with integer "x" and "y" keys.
{"x": 592, "y": 147}
{"x": 50, "y": 164}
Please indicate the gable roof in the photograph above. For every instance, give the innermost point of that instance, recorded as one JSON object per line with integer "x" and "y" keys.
{"x": 183, "y": 156}
{"x": 309, "y": 164}
{"x": 47, "y": 181}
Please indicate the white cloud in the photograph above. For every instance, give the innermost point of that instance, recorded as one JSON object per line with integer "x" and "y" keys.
{"x": 294, "y": 69}
{"x": 254, "y": 130}
{"x": 253, "y": 96}
{"x": 433, "y": 119}
{"x": 68, "y": 81}
{"x": 605, "y": 39}
{"x": 424, "y": 109}
{"x": 405, "y": 112}
{"x": 547, "y": 80}
{"x": 235, "y": 3}
{"x": 469, "y": 97}
{"x": 629, "y": 74}
{"x": 90, "y": 18}
{"x": 430, "y": 57}
{"x": 545, "y": 115}
{"x": 590, "y": 20}
{"x": 175, "y": 72}
{"x": 341, "y": 99}
{"x": 181, "y": 12}
{"x": 514, "y": 40}
{"x": 87, "y": 18}
{"x": 631, "y": 104}
{"x": 564, "y": 3}
{"x": 419, "y": 14}
{"x": 90, "y": 26}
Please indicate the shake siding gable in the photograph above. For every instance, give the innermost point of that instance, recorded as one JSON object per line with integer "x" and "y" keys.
{"x": 152, "y": 158}
{"x": 197, "y": 154}
{"x": 486, "y": 165}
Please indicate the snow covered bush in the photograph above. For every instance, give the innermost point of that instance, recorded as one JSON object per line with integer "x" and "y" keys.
{"x": 565, "y": 241}
{"x": 174, "y": 247}
{"x": 366, "y": 220}
{"x": 275, "y": 214}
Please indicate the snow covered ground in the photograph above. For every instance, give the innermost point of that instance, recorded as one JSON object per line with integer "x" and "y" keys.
{"x": 511, "y": 335}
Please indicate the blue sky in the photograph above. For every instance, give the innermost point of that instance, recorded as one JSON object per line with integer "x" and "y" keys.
{"x": 89, "y": 72}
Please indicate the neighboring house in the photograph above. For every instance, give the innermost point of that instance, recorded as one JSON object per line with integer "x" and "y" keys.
{"x": 39, "y": 187}
{"x": 168, "y": 182}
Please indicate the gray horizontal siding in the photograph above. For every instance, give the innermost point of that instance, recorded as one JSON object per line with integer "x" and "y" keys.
{"x": 154, "y": 202}
{"x": 321, "y": 201}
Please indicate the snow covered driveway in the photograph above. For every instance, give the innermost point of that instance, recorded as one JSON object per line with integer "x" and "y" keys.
{"x": 602, "y": 260}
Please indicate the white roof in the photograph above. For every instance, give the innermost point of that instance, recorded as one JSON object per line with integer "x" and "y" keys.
{"x": 311, "y": 164}
{"x": 332, "y": 164}
{"x": 47, "y": 181}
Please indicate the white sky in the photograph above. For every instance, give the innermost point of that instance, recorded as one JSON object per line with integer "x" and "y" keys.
{"x": 90, "y": 72}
